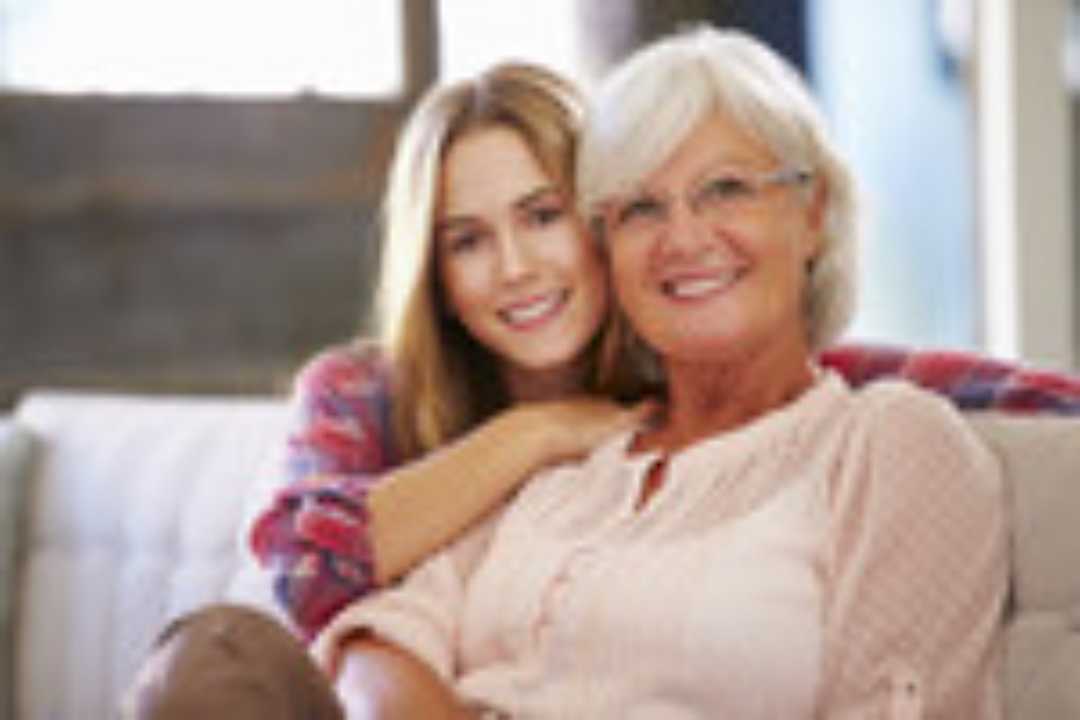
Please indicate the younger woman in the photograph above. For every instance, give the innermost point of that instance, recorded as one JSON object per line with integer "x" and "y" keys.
{"x": 491, "y": 295}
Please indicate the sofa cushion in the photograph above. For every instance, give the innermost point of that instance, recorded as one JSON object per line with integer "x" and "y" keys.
{"x": 135, "y": 513}
{"x": 1041, "y": 461}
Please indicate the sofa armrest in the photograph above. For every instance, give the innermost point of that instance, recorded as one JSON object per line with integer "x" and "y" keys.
{"x": 1040, "y": 456}
{"x": 135, "y": 514}
{"x": 16, "y": 445}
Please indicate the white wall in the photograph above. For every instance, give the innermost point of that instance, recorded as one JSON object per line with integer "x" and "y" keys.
{"x": 901, "y": 112}
{"x": 1025, "y": 181}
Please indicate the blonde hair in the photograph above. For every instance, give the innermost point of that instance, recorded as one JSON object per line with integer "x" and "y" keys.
{"x": 646, "y": 108}
{"x": 445, "y": 381}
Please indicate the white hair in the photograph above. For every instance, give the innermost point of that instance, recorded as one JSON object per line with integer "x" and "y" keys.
{"x": 652, "y": 102}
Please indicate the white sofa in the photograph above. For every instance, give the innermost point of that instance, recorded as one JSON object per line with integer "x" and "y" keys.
{"x": 128, "y": 511}
{"x": 123, "y": 511}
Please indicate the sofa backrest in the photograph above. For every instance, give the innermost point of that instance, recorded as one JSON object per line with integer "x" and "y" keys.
{"x": 135, "y": 509}
{"x": 133, "y": 515}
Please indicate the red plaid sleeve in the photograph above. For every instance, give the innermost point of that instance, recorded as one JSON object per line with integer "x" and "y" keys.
{"x": 971, "y": 381}
{"x": 313, "y": 538}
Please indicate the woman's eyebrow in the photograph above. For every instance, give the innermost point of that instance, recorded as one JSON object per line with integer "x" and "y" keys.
{"x": 454, "y": 222}
{"x": 536, "y": 195}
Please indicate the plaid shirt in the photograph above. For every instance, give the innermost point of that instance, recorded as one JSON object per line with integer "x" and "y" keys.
{"x": 970, "y": 381}
{"x": 313, "y": 537}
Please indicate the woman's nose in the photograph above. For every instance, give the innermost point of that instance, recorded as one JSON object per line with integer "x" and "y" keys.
{"x": 684, "y": 230}
{"x": 515, "y": 258}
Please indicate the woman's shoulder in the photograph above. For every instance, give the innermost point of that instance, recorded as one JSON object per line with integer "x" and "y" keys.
{"x": 918, "y": 433}
{"x": 888, "y": 401}
{"x": 342, "y": 399}
{"x": 356, "y": 368}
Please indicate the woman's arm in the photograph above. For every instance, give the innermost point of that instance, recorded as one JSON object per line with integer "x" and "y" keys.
{"x": 969, "y": 380}
{"x": 422, "y": 505}
{"x": 918, "y": 571}
{"x": 350, "y": 520}
{"x": 313, "y": 537}
{"x": 396, "y": 651}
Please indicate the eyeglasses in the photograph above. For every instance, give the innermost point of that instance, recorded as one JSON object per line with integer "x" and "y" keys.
{"x": 719, "y": 196}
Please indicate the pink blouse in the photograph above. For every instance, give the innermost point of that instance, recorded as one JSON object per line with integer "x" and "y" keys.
{"x": 314, "y": 538}
{"x": 843, "y": 557}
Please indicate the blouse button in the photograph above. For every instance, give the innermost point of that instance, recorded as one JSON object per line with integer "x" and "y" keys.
{"x": 554, "y": 594}
{"x": 906, "y": 694}
{"x": 1074, "y": 618}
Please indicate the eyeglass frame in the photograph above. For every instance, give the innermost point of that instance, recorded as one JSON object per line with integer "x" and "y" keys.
{"x": 755, "y": 185}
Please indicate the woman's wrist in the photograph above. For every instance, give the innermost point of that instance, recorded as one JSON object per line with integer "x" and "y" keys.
{"x": 531, "y": 431}
{"x": 381, "y": 680}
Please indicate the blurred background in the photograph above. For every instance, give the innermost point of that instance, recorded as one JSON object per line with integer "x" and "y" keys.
{"x": 189, "y": 188}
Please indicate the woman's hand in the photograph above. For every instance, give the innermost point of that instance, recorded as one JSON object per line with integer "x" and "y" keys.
{"x": 574, "y": 427}
{"x": 430, "y": 501}
{"x": 378, "y": 681}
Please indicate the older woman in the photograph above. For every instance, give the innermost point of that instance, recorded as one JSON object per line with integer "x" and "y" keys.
{"x": 774, "y": 544}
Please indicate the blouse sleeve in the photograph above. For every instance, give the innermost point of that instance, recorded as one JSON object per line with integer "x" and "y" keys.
{"x": 313, "y": 537}
{"x": 917, "y": 568}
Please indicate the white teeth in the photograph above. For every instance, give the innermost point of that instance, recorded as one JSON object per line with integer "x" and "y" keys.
{"x": 698, "y": 287}
{"x": 694, "y": 288}
{"x": 522, "y": 314}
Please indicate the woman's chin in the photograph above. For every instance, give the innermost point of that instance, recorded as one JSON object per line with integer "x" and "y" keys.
{"x": 700, "y": 347}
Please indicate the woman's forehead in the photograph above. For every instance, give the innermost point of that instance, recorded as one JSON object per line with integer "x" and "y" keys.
{"x": 718, "y": 141}
{"x": 488, "y": 169}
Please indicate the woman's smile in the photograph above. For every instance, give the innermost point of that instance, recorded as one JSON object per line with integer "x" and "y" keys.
{"x": 699, "y": 285}
{"x": 519, "y": 271}
{"x": 535, "y": 311}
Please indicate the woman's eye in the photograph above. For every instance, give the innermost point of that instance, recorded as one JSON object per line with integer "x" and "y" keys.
{"x": 726, "y": 187}
{"x": 545, "y": 214}
{"x": 639, "y": 208}
{"x": 462, "y": 242}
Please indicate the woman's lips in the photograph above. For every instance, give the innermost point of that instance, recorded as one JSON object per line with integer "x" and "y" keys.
{"x": 697, "y": 285}
{"x": 534, "y": 311}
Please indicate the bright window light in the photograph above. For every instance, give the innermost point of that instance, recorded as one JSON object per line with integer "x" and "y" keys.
{"x": 474, "y": 34}
{"x": 350, "y": 48}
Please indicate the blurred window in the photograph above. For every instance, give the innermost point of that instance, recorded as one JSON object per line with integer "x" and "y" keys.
{"x": 905, "y": 122}
{"x": 345, "y": 48}
{"x": 474, "y": 34}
